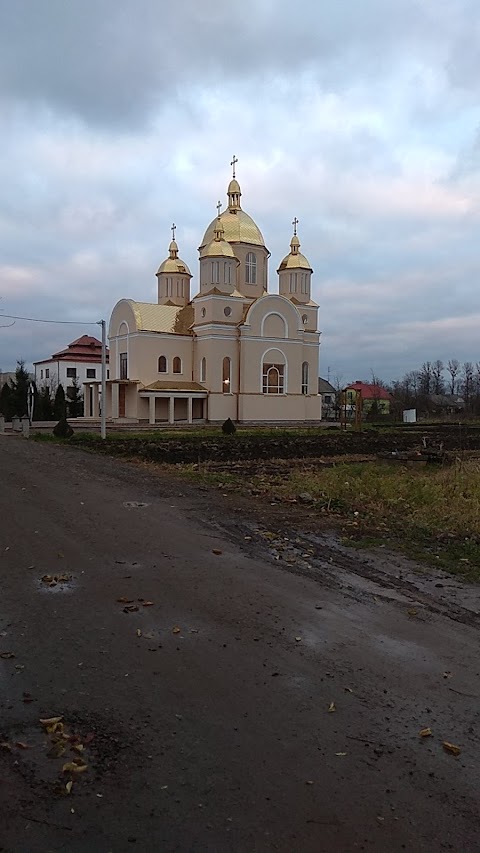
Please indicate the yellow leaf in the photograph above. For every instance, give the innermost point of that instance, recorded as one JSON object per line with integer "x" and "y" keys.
{"x": 51, "y": 721}
{"x": 176, "y": 630}
{"x": 78, "y": 747}
{"x": 72, "y": 767}
{"x": 139, "y": 633}
{"x": 412, "y": 611}
{"x": 68, "y": 786}
{"x": 451, "y": 748}
{"x": 425, "y": 732}
{"x": 332, "y": 707}
{"x": 341, "y": 753}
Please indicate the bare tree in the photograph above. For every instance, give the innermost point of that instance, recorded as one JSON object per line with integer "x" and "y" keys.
{"x": 453, "y": 368}
{"x": 437, "y": 377}
{"x": 425, "y": 378}
{"x": 467, "y": 382}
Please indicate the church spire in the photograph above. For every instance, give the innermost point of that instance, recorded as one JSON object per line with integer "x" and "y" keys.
{"x": 234, "y": 191}
{"x": 294, "y": 242}
{"x": 173, "y": 248}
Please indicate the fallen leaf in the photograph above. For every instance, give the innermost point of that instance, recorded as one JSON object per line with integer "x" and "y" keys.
{"x": 57, "y": 750}
{"x": 341, "y": 753}
{"x": 176, "y": 630}
{"x": 125, "y": 600}
{"x": 348, "y": 690}
{"x": 412, "y": 611}
{"x": 6, "y": 655}
{"x": 21, "y": 744}
{"x": 69, "y": 786}
{"x": 309, "y": 782}
{"x": 5, "y": 745}
{"x": 51, "y": 721}
{"x": 139, "y": 633}
{"x": 78, "y": 747}
{"x": 73, "y": 767}
{"x": 148, "y": 603}
{"x": 450, "y": 747}
{"x": 298, "y": 639}
{"x": 130, "y": 608}
{"x": 425, "y": 732}
{"x": 332, "y": 707}
{"x": 217, "y": 551}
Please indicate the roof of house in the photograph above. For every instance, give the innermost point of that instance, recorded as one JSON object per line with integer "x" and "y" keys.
{"x": 173, "y": 385}
{"x": 447, "y": 400}
{"x": 369, "y": 392}
{"x": 86, "y": 348}
{"x": 325, "y": 387}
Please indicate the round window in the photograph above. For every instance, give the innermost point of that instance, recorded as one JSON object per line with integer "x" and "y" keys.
{"x": 204, "y": 311}
{"x": 305, "y": 319}
{"x": 227, "y": 311}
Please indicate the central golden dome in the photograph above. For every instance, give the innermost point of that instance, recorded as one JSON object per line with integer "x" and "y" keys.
{"x": 238, "y": 226}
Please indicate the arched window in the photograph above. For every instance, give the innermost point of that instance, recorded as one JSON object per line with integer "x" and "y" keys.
{"x": 203, "y": 370}
{"x": 215, "y": 272}
{"x": 162, "y": 364}
{"x": 273, "y": 378}
{"x": 226, "y": 375}
{"x": 305, "y": 377}
{"x": 227, "y": 272}
{"x": 251, "y": 269}
{"x": 177, "y": 364}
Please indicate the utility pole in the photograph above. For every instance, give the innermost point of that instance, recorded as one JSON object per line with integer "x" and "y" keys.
{"x": 103, "y": 420}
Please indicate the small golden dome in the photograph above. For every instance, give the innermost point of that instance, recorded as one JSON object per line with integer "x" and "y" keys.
{"x": 217, "y": 249}
{"x": 234, "y": 187}
{"x": 173, "y": 264}
{"x": 295, "y": 260}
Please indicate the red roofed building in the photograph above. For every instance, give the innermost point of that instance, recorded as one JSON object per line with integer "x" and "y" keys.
{"x": 81, "y": 360}
{"x": 370, "y": 395}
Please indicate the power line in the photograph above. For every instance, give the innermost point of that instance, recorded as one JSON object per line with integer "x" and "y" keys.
{"x": 63, "y": 322}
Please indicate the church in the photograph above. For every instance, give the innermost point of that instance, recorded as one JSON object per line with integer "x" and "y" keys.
{"x": 233, "y": 351}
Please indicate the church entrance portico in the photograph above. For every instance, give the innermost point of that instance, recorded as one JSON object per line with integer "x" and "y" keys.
{"x": 168, "y": 407}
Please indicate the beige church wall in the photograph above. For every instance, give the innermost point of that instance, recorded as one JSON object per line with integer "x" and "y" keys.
{"x": 251, "y": 290}
{"x": 255, "y": 353}
{"x": 142, "y": 411}
{"x": 214, "y": 351}
{"x": 161, "y": 409}
{"x": 222, "y": 406}
{"x": 146, "y": 348}
{"x": 270, "y": 407}
{"x": 180, "y": 409}
{"x": 214, "y": 307}
{"x": 273, "y": 304}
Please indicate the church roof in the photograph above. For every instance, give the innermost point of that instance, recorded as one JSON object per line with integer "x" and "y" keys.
{"x": 239, "y": 228}
{"x": 295, "y": 262}
{"x": 172, "y": 319}
{"x": 173, "y": 385}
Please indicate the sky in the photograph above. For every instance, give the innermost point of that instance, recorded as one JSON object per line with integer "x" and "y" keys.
{"x": 359, "y": 117}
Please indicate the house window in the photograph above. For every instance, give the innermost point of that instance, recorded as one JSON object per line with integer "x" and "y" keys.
{"x": 47, "y": 373}
{"x": 41, "y": 374}
{"x": 71, "y": 372}
{"x": 123, "y": 365}
{"x": 162, "y": 364}
{"x": 203, "y": 370}
{"x": 91, "y": 373}
{"x": 177, "y": 364}
{"x": 226, "y": 375}
{"x": 251, "y": 269}
{"x": 305, "y": 377}
{"x": 215, "y": 272}
{"x": 273, "y": 378}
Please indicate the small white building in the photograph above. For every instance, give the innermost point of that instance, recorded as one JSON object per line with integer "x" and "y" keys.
{"x": 81, "y": 360}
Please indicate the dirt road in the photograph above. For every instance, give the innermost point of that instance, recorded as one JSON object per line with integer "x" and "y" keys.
{"x": 217, "y": 736}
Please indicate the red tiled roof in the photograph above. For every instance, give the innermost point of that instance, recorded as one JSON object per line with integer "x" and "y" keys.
{"x": 86, "y": 348}
{"x": 369, "y": 392}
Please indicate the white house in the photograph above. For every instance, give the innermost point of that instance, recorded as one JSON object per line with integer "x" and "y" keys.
{"x": 81, "y": 360}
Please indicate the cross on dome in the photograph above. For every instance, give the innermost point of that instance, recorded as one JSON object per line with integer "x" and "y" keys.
{"x": 219, "y": 207}
{"x": 233, "y": 164}
{"x": 295, "y": 223}
{"x": 174, "y": 228}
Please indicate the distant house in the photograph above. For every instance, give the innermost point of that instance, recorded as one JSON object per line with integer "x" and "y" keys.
{"x": 446, "y": 403}
{"x": 80, "y": 360}
{"x": 371, "y": 395}
{"x": 329, "y": 399}
{"x": 6, "y": 377}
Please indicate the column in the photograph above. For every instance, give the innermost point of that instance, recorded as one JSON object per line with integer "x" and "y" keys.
{"x": 86, "y": 401}
{"x": 189, "y": 410}
{"x": 115, "y": 400}
{"x": 151, "y": 409}
{"x": 96, "y": 402}
{"x": 171, "y": 410}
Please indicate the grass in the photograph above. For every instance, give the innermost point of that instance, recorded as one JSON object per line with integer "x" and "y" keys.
{"x": 429, "y": 513}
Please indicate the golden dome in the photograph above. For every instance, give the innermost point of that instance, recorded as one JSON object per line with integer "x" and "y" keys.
{"x": 217, "y": 249}
{"x": 173, "y": 264}
{"x": 239, "y": 227}
{"x": 295, "y": 260}
{"x": 234, "y": 187}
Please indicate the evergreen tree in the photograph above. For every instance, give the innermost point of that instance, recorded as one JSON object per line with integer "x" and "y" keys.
{"x": 75, "y": 400}
{"x": 59, "y": 406}
{"x": 7, "y": 402}
{"x": 43, "y": 410}
{"x": 20, "y": 389}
